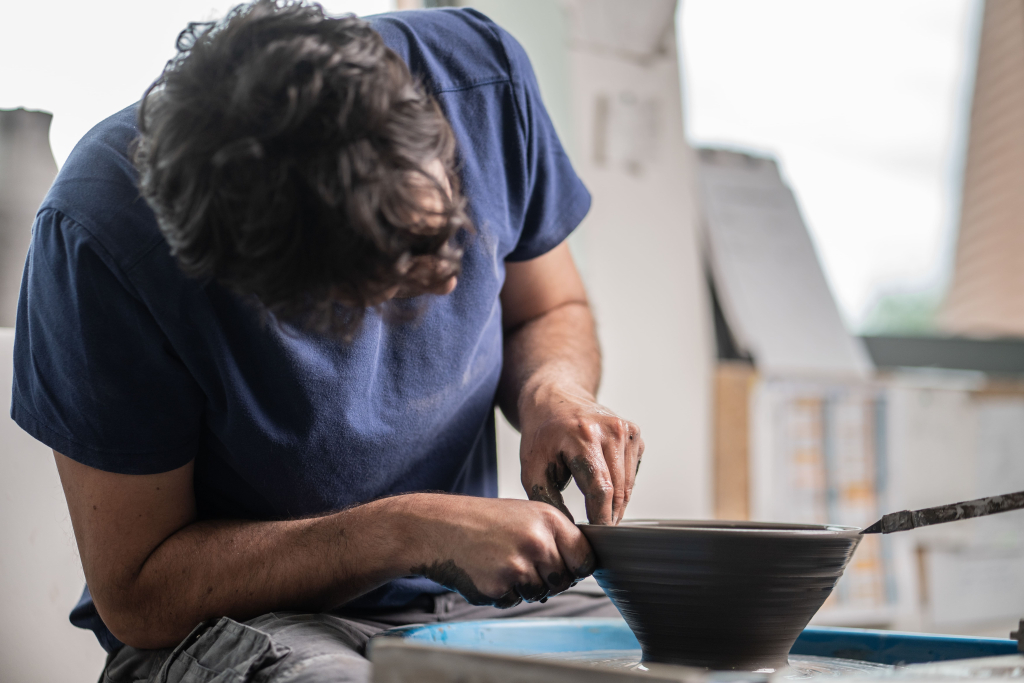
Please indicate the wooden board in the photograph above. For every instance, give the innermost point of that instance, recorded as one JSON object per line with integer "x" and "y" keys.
{"x": 733, "y": 382}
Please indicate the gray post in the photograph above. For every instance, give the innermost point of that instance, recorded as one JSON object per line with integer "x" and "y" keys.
{"x": 27, "y": 170}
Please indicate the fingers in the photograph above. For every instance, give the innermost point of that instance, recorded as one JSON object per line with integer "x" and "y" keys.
{"x": 574, "y": 550}
{"x": 542, "y": 570}
{"x": 501, "y": 552}
{"x": 509, "y": 599}
{"x": 556, "y": 575}
{"x": 548, "y": 578}
{"x": 600, "y": 450}
{"x": 602, "y": 474}
{"x": 560, "y": 556}
{"x": 634, "y": 452}
{"x": 614, "y": 446}
{"x": 544, "y": 481}
{"x": 622, "y": 448}
{"x": 529, "y": 584}
{"x": 558, "y": 473}
{"x": 521, "y": 578}
{"x": 594, "y": 479}
{"x": 451, "y": 575}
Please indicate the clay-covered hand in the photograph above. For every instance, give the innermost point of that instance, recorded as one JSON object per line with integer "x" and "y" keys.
{"x": 567, "y": 435}
{"x": 500, "y": 552}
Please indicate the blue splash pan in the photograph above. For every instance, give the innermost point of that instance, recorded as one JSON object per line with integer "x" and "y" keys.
{"x": 541, "y": 636}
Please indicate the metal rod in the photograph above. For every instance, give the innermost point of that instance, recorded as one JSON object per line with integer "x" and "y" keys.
{"x": 911, "y": 519}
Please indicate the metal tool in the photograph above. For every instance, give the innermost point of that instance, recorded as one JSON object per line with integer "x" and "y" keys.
{"x": 911, "y": 519}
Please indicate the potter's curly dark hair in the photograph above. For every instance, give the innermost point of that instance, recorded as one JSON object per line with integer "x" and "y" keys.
{"x": 285, "y": 155}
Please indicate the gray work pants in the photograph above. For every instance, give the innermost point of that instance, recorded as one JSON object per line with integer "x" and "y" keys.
{"x": 296, "y": 647}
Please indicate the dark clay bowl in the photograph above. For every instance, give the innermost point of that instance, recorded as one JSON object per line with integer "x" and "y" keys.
{"x": 722, "y": 595}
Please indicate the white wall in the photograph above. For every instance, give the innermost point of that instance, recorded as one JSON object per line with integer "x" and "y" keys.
{"x": 643, "y": 268}
{"x": 40, "y": 572}
{"x": 77, "y": 69}
{"x": 950, "y": 440}
{"x": 638, "y": 248}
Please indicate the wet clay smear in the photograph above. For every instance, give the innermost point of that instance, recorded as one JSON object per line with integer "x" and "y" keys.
{"x": 454, "y": 577}
{"x": 720, "y": 595}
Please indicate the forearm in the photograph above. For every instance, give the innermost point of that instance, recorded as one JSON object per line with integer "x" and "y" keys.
{"x": 558, "y": 350}
{"x": 549, "y": 381}
{"x": 242, "y": 569}
{"x": 494, "y": 552}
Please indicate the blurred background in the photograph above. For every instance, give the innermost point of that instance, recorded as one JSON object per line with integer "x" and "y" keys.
{"x": 806, "y": 256}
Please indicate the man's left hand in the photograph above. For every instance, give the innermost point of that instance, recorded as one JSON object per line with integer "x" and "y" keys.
{"x": 567, "y": 435}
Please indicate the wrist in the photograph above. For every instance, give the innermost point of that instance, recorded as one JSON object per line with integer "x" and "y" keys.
{"x": 545, "y": 390}
{"x": 385, "y": 538}
{"x": 418, "y": 523}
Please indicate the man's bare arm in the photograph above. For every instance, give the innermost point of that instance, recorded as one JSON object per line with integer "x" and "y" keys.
{"x": 155, "y": 572}
{"x": 549, "y": 330}
{"x": 549, "y": 381}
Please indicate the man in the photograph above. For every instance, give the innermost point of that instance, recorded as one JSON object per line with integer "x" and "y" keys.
{"x": 264, "y": 322}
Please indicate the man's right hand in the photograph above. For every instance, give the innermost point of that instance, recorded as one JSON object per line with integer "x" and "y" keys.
{"x": 500, "y": 552}
{"x": 155, "y": 572}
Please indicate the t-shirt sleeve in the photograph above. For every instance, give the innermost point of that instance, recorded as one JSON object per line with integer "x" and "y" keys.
{"x": 94, "y": 376}
{"x": 556, "y": 199}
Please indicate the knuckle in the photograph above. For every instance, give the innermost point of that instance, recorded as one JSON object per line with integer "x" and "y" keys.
{"x": 518, "y": 568}
{"x": 532, "y": 546}
{"x": 539, "y": 530}
{"x": 601, "y": 491}
{"x": 527, "y": 577}
{"x": 589, "y": 473}
{"x": 550, "y": 516}
{"x": 555, "y": 520}
{"x": 590, "y": 431}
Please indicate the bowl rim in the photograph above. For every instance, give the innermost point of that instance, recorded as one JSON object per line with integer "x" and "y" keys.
{"x": 726, "y": 526}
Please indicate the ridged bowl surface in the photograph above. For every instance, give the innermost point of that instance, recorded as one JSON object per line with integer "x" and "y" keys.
{"x": 722, "y": 595}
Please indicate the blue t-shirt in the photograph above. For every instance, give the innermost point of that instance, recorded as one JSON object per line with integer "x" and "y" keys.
{"x": 124, "y": 364}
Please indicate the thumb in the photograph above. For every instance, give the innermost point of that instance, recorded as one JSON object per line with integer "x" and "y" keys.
{"x": 576, "y": 552}
{"x": 541, "y": 484}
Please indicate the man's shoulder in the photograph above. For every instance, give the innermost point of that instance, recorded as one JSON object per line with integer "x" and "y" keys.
{"x": 97, "y": 191}
{"x": 449, "y": 48}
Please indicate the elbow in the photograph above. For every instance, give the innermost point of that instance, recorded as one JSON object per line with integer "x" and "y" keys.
{"x": 140, "y": 623}
{"x": 142, "y": 638}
